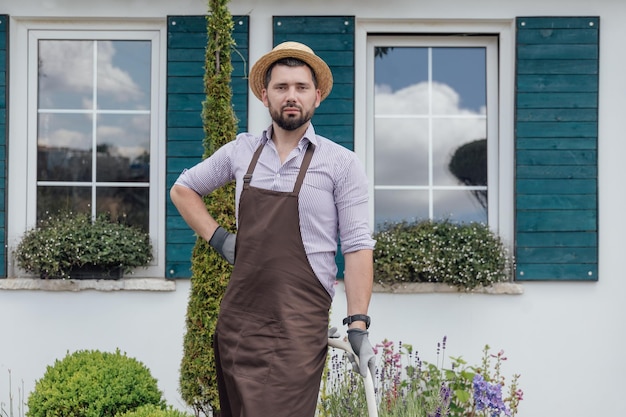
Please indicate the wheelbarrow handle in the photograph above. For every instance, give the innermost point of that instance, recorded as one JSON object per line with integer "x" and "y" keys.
{"x": 368, "y": 380}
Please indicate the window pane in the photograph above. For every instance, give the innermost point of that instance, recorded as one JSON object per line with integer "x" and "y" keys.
{"x": 451, "y": 143}
{"x": 463, "y": 70}
{"x": 401, "y": 81}
{"x": 128, "y": 203}
{"x": 64, "y": 147}
{"x": 461, "y": 206}
{"x": 123, "y": 145}
{"x": 400, "y": 67}
{"x": 51, "y": 200}
{"x": 124, "y": 75}
{"x": 401, "y": 149}
{"x": 392, "y": 206}
{"x": 65, "y": 74}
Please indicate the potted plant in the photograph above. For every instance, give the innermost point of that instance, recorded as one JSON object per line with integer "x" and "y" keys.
{"x": 465, "y": 256}
{"x": 73, "y": 245}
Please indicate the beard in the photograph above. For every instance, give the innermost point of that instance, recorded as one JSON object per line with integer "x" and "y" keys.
{"x": 290, "y": 121}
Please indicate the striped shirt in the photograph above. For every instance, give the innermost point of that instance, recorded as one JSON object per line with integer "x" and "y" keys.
{"x": 333, "y": 200}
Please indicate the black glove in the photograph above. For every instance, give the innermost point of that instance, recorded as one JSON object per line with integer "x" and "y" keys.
{"x": 363, "y": 349}
{"x": 224, "y": 243}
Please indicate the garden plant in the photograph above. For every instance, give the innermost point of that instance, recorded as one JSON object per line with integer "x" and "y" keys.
{"x": 152, "y": 410}
{"x": 210, "y": 272}
{"x": 406, "y": 386}
{"x": 463, "y": 255}
{"x": 65, "y": 241}
{"x": 91, "y": 383}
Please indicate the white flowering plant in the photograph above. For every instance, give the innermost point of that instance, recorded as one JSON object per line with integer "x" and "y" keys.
{"x": 66, "y": 241}
{"x": 465, "y": 255}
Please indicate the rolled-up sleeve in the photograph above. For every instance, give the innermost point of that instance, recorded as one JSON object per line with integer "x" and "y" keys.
{"x": 210, "y": 174}
{"x": 351, "y": 197}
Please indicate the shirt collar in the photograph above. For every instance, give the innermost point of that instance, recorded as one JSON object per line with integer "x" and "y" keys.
{"x": 309, "y": 136}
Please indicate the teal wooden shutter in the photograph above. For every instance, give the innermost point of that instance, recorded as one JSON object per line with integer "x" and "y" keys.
{"x": 332, "y": 39}
{"x": 4, "y": 33}
{"x": 186, "y": 45}
{"x": 556, "y": 129}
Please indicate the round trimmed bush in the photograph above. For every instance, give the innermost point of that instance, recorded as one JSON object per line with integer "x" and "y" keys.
{"x": 154, "y": 411}
{"x": 90, "y": 383}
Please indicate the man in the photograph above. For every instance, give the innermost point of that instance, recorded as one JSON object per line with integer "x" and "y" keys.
{"x": 296, "y": 194}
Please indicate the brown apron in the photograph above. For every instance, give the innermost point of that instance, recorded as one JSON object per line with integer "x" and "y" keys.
{"x": 271, "y": 336}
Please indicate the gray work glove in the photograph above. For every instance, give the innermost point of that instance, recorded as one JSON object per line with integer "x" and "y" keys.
{"x": 363, "y": 349}
{"x": 224, "y": 243}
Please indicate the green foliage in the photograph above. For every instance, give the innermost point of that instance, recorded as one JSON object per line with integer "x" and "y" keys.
{"x": 408, "y": 387}
{"x": 210, "y": 273}
{"x": 462, "y": 255}
{"x": 69, "y": 240}
{"x": 219, "y": 120}
{"x": 90, "y": 383}
{"x": 152, "y": 410}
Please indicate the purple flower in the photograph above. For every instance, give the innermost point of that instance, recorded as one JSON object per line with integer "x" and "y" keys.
{"x": 437, "y": 413}
{"x": 488, "y": 397}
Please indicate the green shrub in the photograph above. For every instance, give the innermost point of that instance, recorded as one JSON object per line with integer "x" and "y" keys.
{"x": 68, "y": 240}
{"x": 462, "y": 255}
{"x": 151, "y": 410}
{"x": 90, "y": 383}
{"x": 210, "y": 273}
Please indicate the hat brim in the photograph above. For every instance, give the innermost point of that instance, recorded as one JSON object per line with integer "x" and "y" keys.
{"x": 259, "y": 70}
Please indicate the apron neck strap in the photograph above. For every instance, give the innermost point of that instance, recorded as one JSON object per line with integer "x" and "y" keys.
{"x": 303, "y": 167}
{"x": 248, "y": 177}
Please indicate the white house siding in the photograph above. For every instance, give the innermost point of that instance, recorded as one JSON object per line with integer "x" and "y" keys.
{"x": 565, "y": 338}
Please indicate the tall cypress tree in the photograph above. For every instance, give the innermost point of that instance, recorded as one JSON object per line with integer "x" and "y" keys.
{"x": 210, "y": 273}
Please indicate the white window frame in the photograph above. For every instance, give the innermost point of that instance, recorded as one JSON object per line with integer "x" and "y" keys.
{"x": 373, "y": 32}
{"x": 22, "y": 191}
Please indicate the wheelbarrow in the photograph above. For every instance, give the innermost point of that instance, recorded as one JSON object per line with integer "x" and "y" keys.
{"x": 368, "y": 381}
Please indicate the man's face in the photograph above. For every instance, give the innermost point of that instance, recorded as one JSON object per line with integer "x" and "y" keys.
{"x": 291, "y": 96}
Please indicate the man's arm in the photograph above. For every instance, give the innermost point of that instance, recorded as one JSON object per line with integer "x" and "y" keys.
{"x": 358, "y": 280}
{"x": 193, "y": 210}
{"x": 191, "y": 207}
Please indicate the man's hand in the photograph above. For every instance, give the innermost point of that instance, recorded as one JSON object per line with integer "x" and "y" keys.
{"x": 224, "y": 243}
{"x": 363, "y": 349}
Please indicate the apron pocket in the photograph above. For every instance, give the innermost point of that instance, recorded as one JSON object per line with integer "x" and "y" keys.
{"x": 249, "y": 344}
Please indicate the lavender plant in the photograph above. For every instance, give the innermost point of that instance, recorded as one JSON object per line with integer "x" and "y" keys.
{"x": 342, "y": 392}
{"x": 406, "y": 386}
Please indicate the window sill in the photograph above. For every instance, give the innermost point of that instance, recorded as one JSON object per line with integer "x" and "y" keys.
{"x": 508, "y": 288}
{"x": 130, "y": 284}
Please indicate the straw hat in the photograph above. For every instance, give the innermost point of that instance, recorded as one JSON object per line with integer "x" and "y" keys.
{"x": 291, "y": 50}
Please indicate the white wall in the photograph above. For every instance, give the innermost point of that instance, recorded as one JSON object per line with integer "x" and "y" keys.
{"x": 38, "y": 327}
{"x": 566, "y": 339}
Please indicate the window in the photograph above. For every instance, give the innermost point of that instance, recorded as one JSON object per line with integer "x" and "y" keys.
{"x": 434, "y": 135}
{"x": 93, "y": 127}
{"x": 94, "y": 117}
